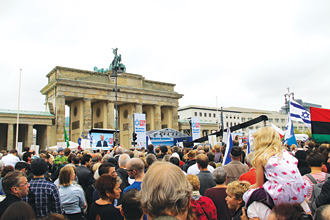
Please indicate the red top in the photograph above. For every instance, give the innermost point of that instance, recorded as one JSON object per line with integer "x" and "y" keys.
{"x": 202, "y": 207}
{"x": 249, "y": 176}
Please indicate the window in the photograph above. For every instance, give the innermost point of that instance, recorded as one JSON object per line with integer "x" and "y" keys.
{"x": 200, "y": 114}
{"x": 282, "y": 120}
{"x": 214, "y": 115}
{"x": 195, "y": 113}
{"x": 210, "y": 115}
{"x": 178, "y": 116}
{"x": 234, "y": 123}
{"x": 234, "y": 117}
{"x": 270, "y": 120}
{"x": 300, "y": 128}
{"x": 205, "y": 114}
{"x": 243, "y": 119}
{"x": 237, "y": 117}
{"x": 257, "y": 127}
{"x": 283, "y": 128}
{"x": 276, "y": 120}
{"x": 230, "y": 117}
{"x": 251, "y": 127}
{"x": 226, "y": 116}
{"x": 227, "y": 124}
{"x": 249, "y": 119}
{"x": 244, "y": 129}
{"x": 231, "y": 124}
{"x": 294, "y": 127}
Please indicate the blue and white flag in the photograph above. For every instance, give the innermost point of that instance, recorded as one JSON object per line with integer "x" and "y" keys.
{"x": 229, "y": 146}
{"x": 250, "y": 140}
{"x": 299, "y": 113}
{"x": 289, "y": 137}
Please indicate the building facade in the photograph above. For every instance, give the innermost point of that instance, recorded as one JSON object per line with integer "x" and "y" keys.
{"x": 42, "y": 122}
{"x": 211, "y": 121}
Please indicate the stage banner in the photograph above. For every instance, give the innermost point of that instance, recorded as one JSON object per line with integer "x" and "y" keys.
{"x": 195, "y": 127}
{"x": 19, "y": 148}
{"x": 35, "y": 148}
{"x": 140, "y": 129}
{"x": 212, "y": 140}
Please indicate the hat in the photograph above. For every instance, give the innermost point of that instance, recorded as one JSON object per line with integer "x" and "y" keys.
{"x": 236, "y": 151}
{"x": 39, "y": 167}
{"x": 60, "y": 149}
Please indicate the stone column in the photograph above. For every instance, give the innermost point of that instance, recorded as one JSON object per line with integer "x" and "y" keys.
{"x": 151, "y": 118}
{"x": 48, "y": 136}
{"x": 87, "y": 115}
{"x": 110, "y": 115}
{"x": 60, "y": 118}
{"x": 158, "y": 119}
{"x": 175, "y": 123}
{"x": 30, "y": 135}
{"x": 10, "y": 137}
{"x": 138, "y": 108}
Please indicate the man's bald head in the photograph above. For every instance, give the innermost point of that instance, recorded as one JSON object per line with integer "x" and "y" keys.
{"x": 123, "y": 159}
{"x": 135, "y": 164}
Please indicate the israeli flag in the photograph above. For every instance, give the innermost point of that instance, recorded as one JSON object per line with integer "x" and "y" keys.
{"x": 299, "y": 113}
{"x": 229, "y": 146}
{"x": 289, "y": 137}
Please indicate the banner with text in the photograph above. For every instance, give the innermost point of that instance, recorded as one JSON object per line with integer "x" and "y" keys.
{"x": 140, "y": 129}
{"x": 195, "y": 128}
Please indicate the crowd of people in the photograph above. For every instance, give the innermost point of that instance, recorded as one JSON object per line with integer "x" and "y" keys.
{"x": 275, "y": 181}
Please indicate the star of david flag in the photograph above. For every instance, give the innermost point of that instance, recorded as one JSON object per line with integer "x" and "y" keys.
{"x": 299, "y": 113}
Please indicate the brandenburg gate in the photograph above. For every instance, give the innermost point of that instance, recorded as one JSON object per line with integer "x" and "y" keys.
{"x": 90, "y": 95}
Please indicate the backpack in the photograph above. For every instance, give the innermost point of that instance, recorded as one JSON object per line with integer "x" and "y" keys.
{"x": 317, "y": 187}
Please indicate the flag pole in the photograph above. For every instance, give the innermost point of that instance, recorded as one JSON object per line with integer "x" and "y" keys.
{"x": 216, "y": 99}
{"x": 19, "y": 96}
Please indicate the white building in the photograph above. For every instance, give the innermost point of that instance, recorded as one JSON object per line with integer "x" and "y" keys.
{"x": 236, "y": 115}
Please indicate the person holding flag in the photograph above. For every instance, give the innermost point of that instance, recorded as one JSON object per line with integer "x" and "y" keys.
{"x": 232, "y": 161}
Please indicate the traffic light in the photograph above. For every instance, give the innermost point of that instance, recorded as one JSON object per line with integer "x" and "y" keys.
{"x": 134, "y": 138}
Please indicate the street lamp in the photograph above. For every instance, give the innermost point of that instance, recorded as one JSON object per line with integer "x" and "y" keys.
{"x": 287, "y": 97}
{"x": 116, "y": 68}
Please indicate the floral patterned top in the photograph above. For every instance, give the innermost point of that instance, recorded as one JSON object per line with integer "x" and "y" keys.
{"x": 285, "y": 183}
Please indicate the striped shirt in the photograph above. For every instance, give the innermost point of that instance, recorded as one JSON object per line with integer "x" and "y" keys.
{"x": 319, "y": 177}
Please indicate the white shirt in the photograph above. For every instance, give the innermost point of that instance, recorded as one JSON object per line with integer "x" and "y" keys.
{"x": 194, "y": 169}
{"x": 10, "y": 159}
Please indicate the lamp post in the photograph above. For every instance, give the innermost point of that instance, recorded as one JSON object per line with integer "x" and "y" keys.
{"x": 287, "y": 97}
{"x": 116, "y": 70}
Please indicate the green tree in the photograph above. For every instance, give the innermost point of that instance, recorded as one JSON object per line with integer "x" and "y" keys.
{"x": 309, "y": 133}
{"x": 297, "y": 131}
